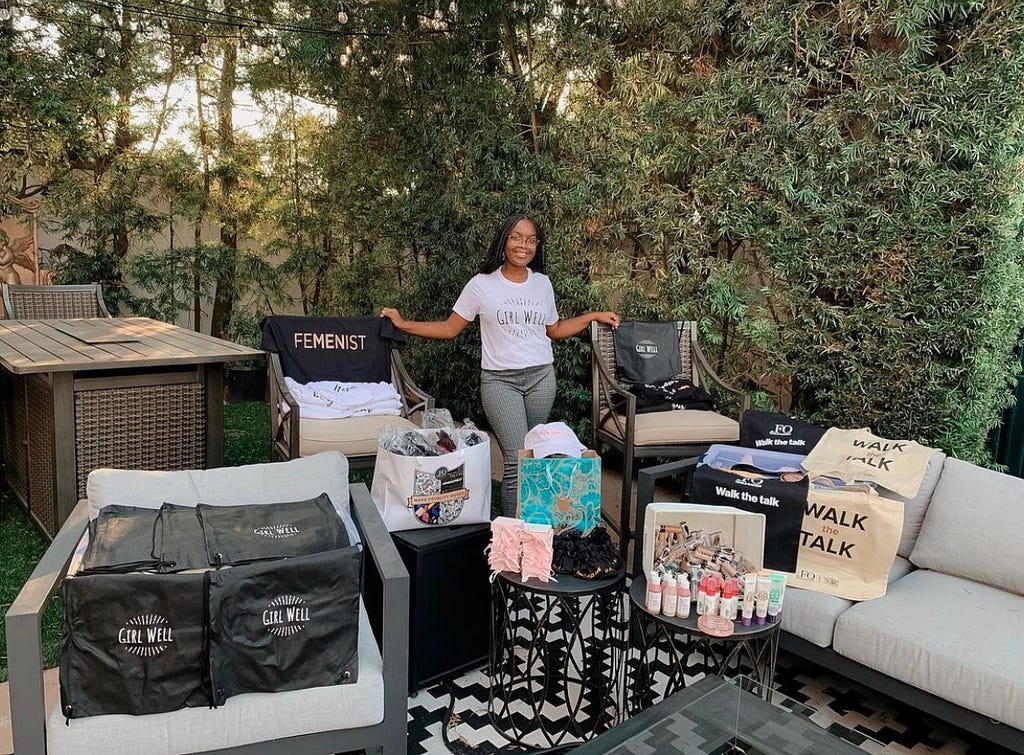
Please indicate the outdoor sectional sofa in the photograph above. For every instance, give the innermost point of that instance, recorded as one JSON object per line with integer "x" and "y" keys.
{"x": 948, "y": 636}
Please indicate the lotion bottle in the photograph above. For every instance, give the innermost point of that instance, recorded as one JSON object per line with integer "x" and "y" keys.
{"x": 654, "y": 593}
{"x": 669, "y": 596}
{"x": 683, "y": 601}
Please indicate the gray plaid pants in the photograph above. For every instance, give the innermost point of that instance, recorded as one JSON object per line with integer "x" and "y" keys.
{"x": 514, "y": 401}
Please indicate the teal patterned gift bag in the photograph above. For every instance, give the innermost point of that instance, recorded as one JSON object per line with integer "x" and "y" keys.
{"x": 560, "y": 491}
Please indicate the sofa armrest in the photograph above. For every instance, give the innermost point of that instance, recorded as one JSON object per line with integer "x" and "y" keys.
{"x": 284, "y": 425}
{"x": 394, "y": 640}
{"x": 646, "y": 479}
{"x": 24, "y": 639}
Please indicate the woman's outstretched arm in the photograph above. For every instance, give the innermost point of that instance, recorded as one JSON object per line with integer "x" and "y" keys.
{"x": 445, "y": 330}
{"x": 574, "y": 325}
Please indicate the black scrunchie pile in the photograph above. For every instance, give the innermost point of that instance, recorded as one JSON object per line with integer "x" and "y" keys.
{"x": 590, "y": 556}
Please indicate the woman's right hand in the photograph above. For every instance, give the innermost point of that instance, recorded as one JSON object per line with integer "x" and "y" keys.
{"x": 393, "y": 315}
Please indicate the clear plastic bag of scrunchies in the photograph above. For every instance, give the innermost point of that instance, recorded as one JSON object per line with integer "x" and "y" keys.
{"x": 406, "y": 442}
{"x": 437, "y": 418}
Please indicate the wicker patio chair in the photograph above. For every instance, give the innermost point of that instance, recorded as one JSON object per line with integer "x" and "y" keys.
{"x": 53, "y": 302}
{"x": 357, "y": 437}
{"x": 367, "y": 714}
{"x": 669, "y": 434}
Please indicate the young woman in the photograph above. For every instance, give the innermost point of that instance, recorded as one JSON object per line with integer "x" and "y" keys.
{"x": 518, "y": 321}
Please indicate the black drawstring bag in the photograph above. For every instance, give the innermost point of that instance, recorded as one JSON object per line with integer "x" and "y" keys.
{"x": 133, "y": 643}
{"x": 255, "y": 532}
{"x": 646, "y": 352}
{"x": 120, "y": 541}
{"x": 285, "y": 625}
{"x": 774, "y": 431}
{"x": 178, "y": 539}
{"x": 782, "y": 503}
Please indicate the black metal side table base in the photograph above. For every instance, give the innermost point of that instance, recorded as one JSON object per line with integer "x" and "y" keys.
{"x": 556, "y": 658}
{"x": 659, "y": 643}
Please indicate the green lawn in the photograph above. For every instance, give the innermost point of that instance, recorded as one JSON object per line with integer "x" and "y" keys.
{"x": 246, "y": 441}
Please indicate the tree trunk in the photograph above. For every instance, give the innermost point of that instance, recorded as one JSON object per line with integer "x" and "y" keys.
{"x": 226, "y": 291}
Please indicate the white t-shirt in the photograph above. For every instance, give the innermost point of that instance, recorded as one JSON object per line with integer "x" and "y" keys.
{"x": 513, "y": 318}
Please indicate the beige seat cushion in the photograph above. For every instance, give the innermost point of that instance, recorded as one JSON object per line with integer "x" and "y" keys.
{"x": 679, "y": 427}
{"x": 354, "y": 436}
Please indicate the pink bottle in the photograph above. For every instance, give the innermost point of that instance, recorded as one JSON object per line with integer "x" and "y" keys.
{"x": 654, "y": 593}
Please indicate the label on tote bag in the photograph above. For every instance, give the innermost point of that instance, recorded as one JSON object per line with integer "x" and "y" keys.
{"x": 559, "y": 491}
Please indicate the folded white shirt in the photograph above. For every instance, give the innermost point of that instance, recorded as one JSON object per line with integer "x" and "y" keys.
{"x": 330, "y": 399}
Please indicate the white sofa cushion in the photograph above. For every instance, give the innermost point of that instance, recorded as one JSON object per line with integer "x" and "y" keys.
{"x": 915, "y": 508}
{"x": 959, "y": 640}
{"x": 296, "y": 480}
{"x": 243, "y": 719}
{"x": 974, "y": 527}
{"x": 353, "y": 436}
{"x": 812, "y": 615}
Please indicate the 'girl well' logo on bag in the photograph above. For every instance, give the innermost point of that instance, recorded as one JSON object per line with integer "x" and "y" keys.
{"x": 276, "y": 531}
{"x": 286, "y": 615}
{"x": 145, "y": 636}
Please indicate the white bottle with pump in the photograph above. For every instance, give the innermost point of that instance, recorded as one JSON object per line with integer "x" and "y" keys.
{"x": 654, "y": 593}
{"x": 669, "y": 596}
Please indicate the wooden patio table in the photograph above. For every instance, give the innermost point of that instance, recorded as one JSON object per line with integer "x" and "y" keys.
{"x": 130, "y": 393}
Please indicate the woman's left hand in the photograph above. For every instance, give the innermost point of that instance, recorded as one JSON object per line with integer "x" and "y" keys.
{"x": 608, "y": 318}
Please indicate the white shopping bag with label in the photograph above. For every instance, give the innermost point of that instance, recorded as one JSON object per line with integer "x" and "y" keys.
{"x": 413, "y": 492}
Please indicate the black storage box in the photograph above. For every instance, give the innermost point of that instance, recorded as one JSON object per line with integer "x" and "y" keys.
{"x": 450, "y": 595}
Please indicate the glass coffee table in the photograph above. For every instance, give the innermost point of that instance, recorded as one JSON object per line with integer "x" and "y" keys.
{"x": 722, "y": 716}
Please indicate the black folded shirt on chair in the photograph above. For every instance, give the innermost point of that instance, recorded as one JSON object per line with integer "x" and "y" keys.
{"x": 668, "y": 395}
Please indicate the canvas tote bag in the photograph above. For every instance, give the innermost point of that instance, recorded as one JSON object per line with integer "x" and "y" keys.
{"x": 775, "y": 431}
{"x": 646, "y": 352}
{"x": 848, "y": 542}
{"x": 412, "y": 492}
{"x": 851, "y": 455}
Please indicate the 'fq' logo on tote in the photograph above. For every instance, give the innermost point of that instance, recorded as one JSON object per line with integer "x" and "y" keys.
{"x": 286, "y": 615}
{"x": 276, "y": 531}
{"x": 646, "y": 349}
{"x": 145, "y": 636}
{"x": 783, "y": 430}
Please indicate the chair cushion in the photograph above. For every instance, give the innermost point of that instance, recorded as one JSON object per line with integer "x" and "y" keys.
{"x": 813, "y": 615}
{"x": 679, "y": 427}
{"x": 959, "y": 640}
{"x": 254, "y": 483}
{"x": 353, "y": 436}
{"x": 974, "y": 527}
{"x": 244, "y": 719}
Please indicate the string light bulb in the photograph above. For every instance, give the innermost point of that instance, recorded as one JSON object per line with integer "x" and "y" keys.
{"x": 5, "y": 10}
{"x": 100, "y": 52}
{"x": 204, "y": 44}
{"x": 342, "y": 13}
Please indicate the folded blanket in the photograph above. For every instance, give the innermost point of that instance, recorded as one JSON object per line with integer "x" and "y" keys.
{"x": 326, "y": 399}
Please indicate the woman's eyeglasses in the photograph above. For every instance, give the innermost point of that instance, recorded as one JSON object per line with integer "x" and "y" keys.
{"x": 515, "y": 238}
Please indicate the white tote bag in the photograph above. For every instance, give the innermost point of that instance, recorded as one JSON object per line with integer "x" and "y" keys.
{"x": 433, "y": 491}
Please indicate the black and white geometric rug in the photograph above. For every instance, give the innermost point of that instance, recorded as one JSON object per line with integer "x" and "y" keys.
{"x": 881, "y": 724}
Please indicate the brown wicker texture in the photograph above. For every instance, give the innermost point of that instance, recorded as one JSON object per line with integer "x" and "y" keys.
{"x": 42, "y": 488}
{"x": 15, "y": 430}
{"x": 53, "y": 302}
{"x": 605, "y": 348}
{"x": 158, "y": 427}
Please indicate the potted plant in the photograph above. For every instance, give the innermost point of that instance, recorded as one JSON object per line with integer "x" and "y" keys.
{"x": 245, "y": 380}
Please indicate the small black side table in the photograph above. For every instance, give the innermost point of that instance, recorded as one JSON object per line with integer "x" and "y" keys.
{"x": 660, "y": 641}
{"x": 556, "y": 658}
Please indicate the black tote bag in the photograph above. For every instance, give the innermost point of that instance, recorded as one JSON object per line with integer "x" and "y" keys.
{"x": 178, "y": 539}
{"x": 285, "y": 625}
{"x": 774, "y": 431}
{"x": 120, "y": 541}
{"x": 646, "y": 352}
{"x": 254, "y": 532}
{"x": 782, "y": 503}
{"x": 133, "y": 643}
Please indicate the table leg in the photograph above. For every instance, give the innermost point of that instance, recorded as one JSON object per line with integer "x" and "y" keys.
{"x": 213, "y": 381}
{"x": 64, "y": 454}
